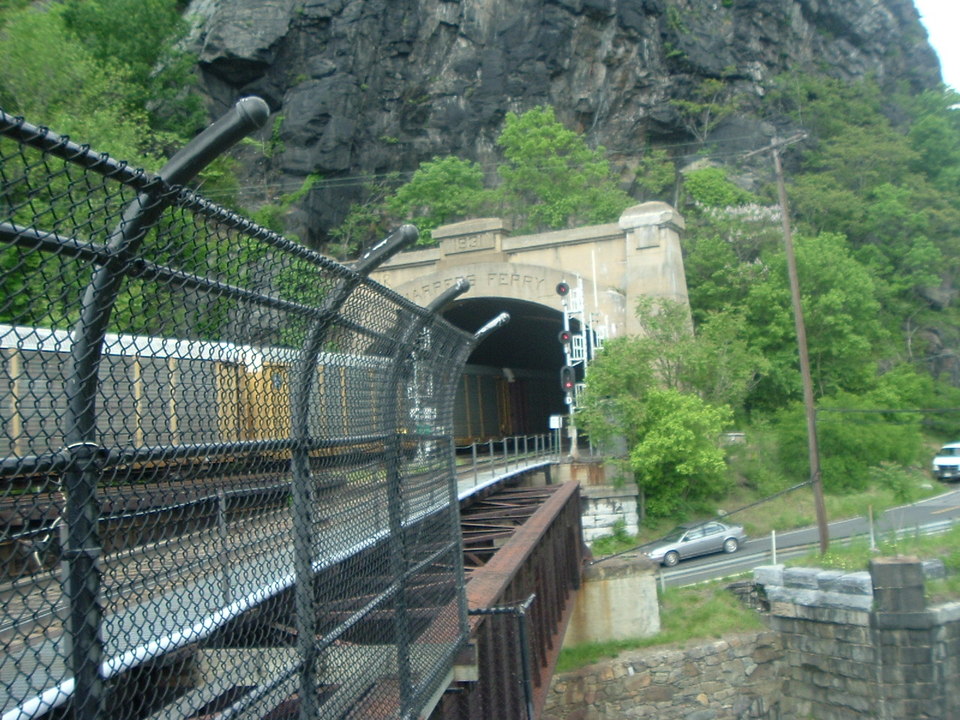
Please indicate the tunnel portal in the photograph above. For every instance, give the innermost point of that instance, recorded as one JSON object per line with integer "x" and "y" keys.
{"x": 511, "y": 383}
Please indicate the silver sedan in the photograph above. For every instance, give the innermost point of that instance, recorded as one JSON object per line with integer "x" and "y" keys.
{"x": 692, "y": 539}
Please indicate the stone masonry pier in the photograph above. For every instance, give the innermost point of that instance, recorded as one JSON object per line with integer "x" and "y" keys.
{"x": 865, "y": 644}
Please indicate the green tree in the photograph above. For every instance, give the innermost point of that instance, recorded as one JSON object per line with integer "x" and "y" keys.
{"x": 722, "y": 367}
{"x": 52, "y": 78}
{"x": 440, "y": 191}
{"x": 366, "y": 220}
{"x": 854, "y": 433}
{"x": 723, "y": 249}
{"x": 710, "y": 186}
{"x": 663, "y": 393}
{"x": 141, "y": 36}
{"x": 934, "y": 136}
{"x": 56, "y": 79}
{"x": 133, "y": 32}
{"x": 551, "y": 179}
{"x": 671, "y": 438}
{"x": 715, "y": 363}
{"x": 656, "y": 173}
{"x": 711, "y": 102}
{"x": 841, "y": 314}
{"x": 677, "y": 461}
{"x": 825, "y": 105}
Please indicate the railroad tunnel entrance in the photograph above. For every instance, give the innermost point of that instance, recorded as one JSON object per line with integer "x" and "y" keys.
{"x": 511, "y": 383}
{"x": 610, "y": 266}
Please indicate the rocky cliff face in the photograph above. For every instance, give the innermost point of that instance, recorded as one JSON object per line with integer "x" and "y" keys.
{"x": 365, "y": 87}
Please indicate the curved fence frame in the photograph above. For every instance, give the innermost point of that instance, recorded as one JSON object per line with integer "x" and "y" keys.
{"x": 317, "y": 497}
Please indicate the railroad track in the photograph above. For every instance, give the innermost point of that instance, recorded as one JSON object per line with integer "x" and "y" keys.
{"x": 34, "y": 605}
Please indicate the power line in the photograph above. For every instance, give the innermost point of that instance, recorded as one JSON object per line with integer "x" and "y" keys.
{"x": 921, "y": 411}
{"x": 360, "y": 180}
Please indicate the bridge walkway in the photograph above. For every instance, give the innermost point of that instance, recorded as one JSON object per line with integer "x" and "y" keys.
{"x": 201, "y": 594}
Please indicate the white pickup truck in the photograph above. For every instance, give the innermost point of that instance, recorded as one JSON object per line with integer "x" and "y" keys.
{"x": 946, "y": 465}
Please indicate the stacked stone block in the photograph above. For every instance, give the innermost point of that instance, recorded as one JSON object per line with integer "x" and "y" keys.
{"x": 842, "y": 646}
{"x": 865, "y": 644}
{"x": 606, "y": 505}
{"x": 730, "y": 679}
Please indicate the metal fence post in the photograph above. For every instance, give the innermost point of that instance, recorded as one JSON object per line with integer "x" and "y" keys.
{"x": 81, "y": 535}
{"x": 403, "y": 366}
{"x": 473, "y": 458}
{"x": 303, "y": 491}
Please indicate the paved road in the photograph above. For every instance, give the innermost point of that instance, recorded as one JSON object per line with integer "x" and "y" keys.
{"x": 932, "y": 513}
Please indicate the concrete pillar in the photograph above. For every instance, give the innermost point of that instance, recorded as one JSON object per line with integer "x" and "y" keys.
{"x": 654, "y": 261}
{"x": 617, "y": 600}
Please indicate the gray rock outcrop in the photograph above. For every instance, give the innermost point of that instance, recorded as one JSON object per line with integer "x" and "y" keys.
{"x": 366, "y": 87}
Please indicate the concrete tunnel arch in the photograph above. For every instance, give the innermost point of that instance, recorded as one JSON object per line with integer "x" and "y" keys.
{"x": 511, "y": 383}
{"x": 614, "y": 264}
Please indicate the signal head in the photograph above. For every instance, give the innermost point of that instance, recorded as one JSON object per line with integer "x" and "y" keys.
{"x": 563, "y": 289}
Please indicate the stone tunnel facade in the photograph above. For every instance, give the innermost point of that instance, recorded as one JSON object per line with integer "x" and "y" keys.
{"x": 614, "y": 264}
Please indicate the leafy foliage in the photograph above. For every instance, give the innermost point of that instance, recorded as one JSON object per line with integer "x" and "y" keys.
{"x": 271, "y": 215}
{"x": 49, "y": 74}
{"x": 709, "y": 186}
{"x": 841, "y": 315}
{"x": 656, "y": 173}
{"x": 140, "y": 36}
{"x": 649, "y": 390}
{"x": 551, "y": 179}
{"x": 366, "y": 221}
{"x": 88, "y": 69}
{"x": 441, "y": 190}
{"x": 856, "y": 438}
{"x": 711, "y": 102}
{"x": 677, "y": 461}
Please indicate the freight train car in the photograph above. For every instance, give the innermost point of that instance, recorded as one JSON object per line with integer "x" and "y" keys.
{"x": 162, "y": 392}
{"x": 502, "y": 402}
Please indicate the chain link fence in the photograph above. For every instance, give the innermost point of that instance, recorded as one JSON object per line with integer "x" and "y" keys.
{"x": 228, "y": 485}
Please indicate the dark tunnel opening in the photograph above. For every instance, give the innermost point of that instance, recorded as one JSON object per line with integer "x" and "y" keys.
{"x": 511, "y": 383}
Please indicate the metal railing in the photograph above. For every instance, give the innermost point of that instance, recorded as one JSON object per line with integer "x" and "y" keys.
{"x": 519, "y": 604}
{"x": 495, "y": 458}
{"x": 227, "y": 468}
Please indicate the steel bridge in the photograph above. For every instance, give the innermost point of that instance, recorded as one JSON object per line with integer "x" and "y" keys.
{"x": 230, "y": 487}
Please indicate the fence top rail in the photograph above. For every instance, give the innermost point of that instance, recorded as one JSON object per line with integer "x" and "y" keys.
{"x": 63, "y": 147}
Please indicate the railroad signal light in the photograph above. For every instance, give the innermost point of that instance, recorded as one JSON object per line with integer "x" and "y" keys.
{"x": 565, "y": 337}
{"x": 568, "y": 379}
{"x": 563, "y": 289}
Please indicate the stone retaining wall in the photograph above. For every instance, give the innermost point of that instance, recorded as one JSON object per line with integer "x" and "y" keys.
{"x": 841, "y": 646}
{"x": 606, "y": 505}
{"x": 865, "y": 644}
{"x": 730, "y": 679}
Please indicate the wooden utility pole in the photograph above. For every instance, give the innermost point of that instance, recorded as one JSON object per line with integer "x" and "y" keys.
{"x": 813, "y": 448}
